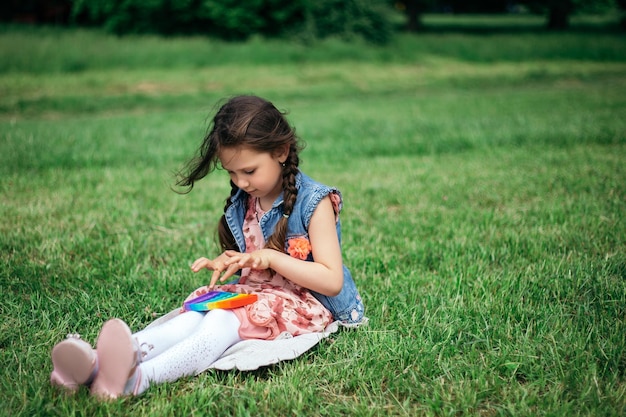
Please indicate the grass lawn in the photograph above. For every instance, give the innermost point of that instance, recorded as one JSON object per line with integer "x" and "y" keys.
{"x": 485, "y": 191}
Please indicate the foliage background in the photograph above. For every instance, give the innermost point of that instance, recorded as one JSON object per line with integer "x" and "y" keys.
{"x": 369, "y": 19}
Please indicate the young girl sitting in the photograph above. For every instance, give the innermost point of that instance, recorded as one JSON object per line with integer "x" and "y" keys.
{"x": 280, "y": 232}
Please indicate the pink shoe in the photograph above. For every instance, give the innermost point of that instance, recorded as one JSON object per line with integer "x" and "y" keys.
{"x": 75, "y": 363}
{"x": 117, "y": 358}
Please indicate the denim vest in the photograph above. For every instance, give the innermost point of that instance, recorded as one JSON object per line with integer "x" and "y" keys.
{"x": 347, "y": 306}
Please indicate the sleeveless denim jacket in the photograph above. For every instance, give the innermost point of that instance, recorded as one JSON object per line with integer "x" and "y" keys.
{"x": 347, "y": 306}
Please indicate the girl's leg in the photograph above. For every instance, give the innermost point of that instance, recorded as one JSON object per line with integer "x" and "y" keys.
{"x": 218, "y": 331}
{"x": 156, "y": 340}
{"x": 75, "y": 361}
{"x": 119, "y": 352}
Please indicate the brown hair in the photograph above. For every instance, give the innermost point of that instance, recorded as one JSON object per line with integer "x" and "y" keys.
{"x": 255, "y": 123}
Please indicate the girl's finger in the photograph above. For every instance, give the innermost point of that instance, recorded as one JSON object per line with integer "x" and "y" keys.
{"x": 245, "y": 259}
{"x": 196, "y": 266}
{"x": 232, "y": 260}
{"x": 229, "y": 272}
{"x": 214, "y": 277}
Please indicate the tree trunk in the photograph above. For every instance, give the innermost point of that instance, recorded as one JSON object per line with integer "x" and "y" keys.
{"x": 413, "y": 11}
{"x": 622, "y": 8}
{"x": 558, "y": 18}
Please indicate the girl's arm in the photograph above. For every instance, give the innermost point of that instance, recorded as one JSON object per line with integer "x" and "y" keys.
{"x": 324, "y": 275}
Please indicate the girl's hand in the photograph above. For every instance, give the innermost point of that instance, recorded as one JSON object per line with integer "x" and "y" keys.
{"x": 259, "y": 259}
{"x": 218, "y": 265}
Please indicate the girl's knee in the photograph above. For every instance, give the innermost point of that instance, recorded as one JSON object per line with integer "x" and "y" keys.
{"x": 223, "y": 317}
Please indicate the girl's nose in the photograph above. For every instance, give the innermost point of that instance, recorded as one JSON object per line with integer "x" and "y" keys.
{"x": 242, "y": 183}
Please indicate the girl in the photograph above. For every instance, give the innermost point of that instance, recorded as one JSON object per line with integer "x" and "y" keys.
{"x": 280, "y": 231}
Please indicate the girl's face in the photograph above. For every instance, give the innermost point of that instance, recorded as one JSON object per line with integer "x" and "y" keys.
{"x": 257, "y": 173}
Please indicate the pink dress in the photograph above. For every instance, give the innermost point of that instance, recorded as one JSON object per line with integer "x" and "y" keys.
{"x": 282, "y": 305}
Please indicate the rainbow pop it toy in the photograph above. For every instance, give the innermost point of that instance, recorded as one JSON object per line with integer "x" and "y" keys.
{"x": 219, "y": 300}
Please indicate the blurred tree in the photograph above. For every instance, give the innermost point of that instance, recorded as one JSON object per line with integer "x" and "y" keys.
{"x": 347, "y": 19}
{"x": 36, "y": 11}
{"x": 478, "y": 6}
{"x": 559, "y": 11}
{"x": 235, "y": 19}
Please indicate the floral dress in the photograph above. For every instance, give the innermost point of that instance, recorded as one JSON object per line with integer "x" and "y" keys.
{"x": 281, "y": 305}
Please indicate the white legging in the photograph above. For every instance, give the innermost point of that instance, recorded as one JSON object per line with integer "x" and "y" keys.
{"x": 182, "y": 346}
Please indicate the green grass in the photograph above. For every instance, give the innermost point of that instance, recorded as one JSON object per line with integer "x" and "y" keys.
{"x": 484, "y": 202}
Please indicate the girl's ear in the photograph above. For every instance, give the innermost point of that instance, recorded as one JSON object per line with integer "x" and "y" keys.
{"x": 282, "y": 154}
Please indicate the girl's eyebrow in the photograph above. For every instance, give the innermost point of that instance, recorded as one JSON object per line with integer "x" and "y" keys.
{"x": 244, "y": 169}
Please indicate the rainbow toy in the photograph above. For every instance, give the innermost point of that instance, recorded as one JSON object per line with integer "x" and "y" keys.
{"x": 219, "y": 299}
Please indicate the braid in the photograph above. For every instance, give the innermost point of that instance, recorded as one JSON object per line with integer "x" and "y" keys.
{"x": 277, "y": 240}
{"x": 225, "y": 236}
